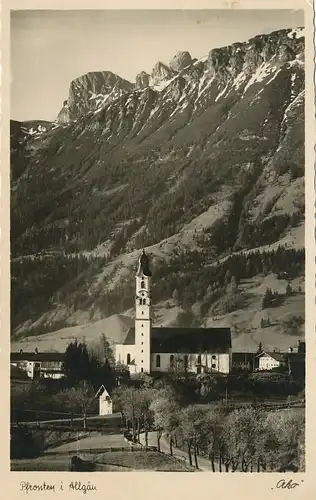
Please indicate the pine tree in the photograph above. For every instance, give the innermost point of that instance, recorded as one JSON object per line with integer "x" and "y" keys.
{"x": 77, "y": 362}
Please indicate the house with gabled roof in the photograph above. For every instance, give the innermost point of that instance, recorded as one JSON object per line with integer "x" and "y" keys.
{"x": 267, "y": 360}
{"x": 105, "y": 401}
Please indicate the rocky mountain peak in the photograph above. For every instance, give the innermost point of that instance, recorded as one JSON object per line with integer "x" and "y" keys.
{"x": 160, "y": 72}
{"x": 142, "y": 80}
{"x": 180, "y": 61}
{"x": 91, "y": 91}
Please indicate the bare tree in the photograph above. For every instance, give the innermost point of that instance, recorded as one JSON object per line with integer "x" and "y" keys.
{"x": 79, "y": 398}
{"x": 284, "y": 441}
{"x": 165, "y": 409}
{"x": 243, "y": 439}
{"x": 193, "y": 427}
{"x": 126, "y": 397}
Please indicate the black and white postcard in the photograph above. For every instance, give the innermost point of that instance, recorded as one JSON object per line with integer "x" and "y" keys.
{"x": 158, "y": 246}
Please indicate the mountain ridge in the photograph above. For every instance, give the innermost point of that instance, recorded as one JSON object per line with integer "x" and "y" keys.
{"x": 220, "y": 62}
{"x": 206, "y": 162}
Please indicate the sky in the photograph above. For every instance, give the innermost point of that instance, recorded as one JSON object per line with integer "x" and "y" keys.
{"x": 50, "y": 48}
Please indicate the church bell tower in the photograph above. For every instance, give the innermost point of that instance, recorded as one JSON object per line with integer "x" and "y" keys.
{"x": 143, "y": 315}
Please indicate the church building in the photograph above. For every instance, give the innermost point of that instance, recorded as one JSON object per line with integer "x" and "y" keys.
{"x": 157, "y": 349}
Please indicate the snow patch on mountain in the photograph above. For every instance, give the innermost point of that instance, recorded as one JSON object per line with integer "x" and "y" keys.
{"x": 159, "y": 87}
{"x": 260, "y": 74}
{"x": 296, "y": 33}
{"x": 204, "y": 84}
{"x": 222, "y": 93}
{"x": 299, "y": 100}
{"x": 239, "y": 80}
{"x": 248, "y": 137}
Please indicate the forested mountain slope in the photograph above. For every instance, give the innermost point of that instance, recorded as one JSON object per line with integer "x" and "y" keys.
{"x": 201, "y": 162}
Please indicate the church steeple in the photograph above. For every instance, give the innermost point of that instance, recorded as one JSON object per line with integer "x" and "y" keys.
{"x": 143, "y": 265}
{"x": 143, "y": 314}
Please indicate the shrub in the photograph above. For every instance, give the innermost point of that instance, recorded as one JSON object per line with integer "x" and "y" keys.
{"x": 25, "y": 443}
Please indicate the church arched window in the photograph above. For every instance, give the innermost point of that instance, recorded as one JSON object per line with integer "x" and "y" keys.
{"x": 142, "y": 284}
{"x": 158, "y": 361}
{"x": 199, "y": 359}
{"x": 128, "y": 360}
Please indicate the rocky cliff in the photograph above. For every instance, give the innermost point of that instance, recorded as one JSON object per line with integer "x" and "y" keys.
{"x": 91, "y": 92}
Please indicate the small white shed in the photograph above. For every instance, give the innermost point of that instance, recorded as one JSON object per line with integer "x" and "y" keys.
{"x": 105, "y": 401}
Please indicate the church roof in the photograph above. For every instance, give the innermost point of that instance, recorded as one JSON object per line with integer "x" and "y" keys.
{"x": 190, "y": 340}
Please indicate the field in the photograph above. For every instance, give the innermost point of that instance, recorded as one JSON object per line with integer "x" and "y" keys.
{"x": 110, "y": 461}
{"x": 49, "y": 463}
{"x": 141, "y": 460}
{"x": 95, "y": 448}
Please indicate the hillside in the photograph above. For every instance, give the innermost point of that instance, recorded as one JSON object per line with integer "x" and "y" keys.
{"x": 201, "y": 162}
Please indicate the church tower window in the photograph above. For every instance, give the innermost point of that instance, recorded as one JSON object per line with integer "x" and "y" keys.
{"x": 128, "y": 359}
{"x": 158, "y": 361}
{"x": 142, "y": 284}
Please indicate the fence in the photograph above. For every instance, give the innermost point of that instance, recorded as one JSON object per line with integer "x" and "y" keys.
{"x": 66, "y": 428}
{"x": 102, "y": 450}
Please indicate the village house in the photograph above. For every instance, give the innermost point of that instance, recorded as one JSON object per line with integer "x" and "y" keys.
{"x": 39, "y": 364}
{"x": 265, "y": 360}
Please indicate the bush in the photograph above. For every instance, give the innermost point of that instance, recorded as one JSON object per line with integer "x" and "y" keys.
{"x": 25, "y": 443}
{"x": 230, "y": 303}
